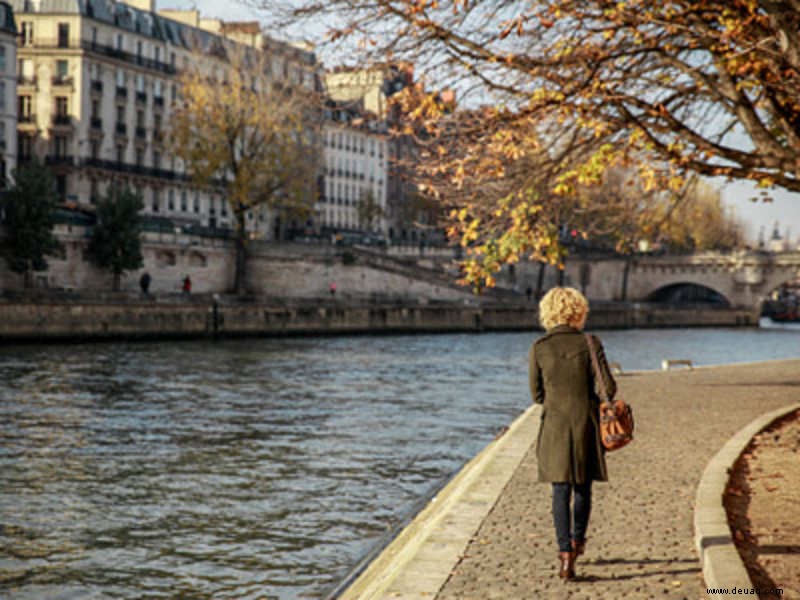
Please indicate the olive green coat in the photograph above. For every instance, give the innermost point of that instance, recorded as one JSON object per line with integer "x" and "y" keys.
{"x": 561, "y": 379}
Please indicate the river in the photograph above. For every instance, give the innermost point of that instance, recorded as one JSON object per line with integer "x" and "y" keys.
{"x": 256, "y": 468}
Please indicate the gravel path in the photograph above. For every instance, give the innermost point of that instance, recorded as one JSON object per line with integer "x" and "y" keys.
{"x": 640, "y": 534}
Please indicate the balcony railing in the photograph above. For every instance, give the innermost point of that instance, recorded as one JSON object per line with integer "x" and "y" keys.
{"x": 28, "y": 119}
{"x": 26, "y": 80}
{"x": 97, "y": 86}
{"x": 123, "y": 167}
{"x": 141, "y": 132}
{"x": 96, "y": 123}
{"x": 141, "y": 97}
{"x": 122, "y": 129}
{"x": 59, "y": 160}
{"x": 122, "y": 92}
{"x": 62, "y": 80}
{"x": 62, "y": 120}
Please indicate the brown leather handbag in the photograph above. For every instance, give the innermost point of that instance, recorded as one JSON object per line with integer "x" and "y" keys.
{"x": 616, "y": 417}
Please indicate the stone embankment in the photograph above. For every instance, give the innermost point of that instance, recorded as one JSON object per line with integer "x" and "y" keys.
{"x": 49, "y": 318}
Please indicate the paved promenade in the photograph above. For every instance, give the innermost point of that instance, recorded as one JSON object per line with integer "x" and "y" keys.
{"x": 640, "y": 534}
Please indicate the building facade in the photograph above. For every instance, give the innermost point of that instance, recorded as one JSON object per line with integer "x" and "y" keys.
{"x": 97, "y": 81}
{"x": 8, "y": 94}
{"x": 355, "y": 148}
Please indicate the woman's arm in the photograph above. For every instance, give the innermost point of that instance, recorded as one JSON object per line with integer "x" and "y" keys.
{"x": 605, "y": 372}
{"x": 535, "y": 377}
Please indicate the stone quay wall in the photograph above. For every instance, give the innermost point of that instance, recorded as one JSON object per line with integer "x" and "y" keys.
{"x": 198, "y": 318}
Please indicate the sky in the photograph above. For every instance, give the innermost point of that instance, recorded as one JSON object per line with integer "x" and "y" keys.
{"x": 785, "y": 208}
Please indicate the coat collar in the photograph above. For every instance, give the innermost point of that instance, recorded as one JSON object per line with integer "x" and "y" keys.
{"x": 562, "y": 329}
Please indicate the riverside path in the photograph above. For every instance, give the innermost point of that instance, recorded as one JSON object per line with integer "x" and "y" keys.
{"x": 640, "y": 541}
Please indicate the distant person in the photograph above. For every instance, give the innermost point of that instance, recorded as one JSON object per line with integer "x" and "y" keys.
{"x": 144, "y": 283}
{"x": 569, "y": 449}
{"x": 332, "y": 289}
{"x": 187, "y": 285}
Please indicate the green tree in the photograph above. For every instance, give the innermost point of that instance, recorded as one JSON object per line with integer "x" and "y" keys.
{"x": 249, "y": 136}
{"x": 29, "y": 210}
{"x": 116, "y": 239}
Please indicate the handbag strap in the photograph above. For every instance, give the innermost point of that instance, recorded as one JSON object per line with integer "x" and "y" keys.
{"x": 596, "y": 368}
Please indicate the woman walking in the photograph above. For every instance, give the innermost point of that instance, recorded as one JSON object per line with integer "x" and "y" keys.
{"x": 569, "y": 451}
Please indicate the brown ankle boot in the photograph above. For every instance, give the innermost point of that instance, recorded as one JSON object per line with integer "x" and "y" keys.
{"x": 578, "y": 547}
{"x": 567, "y": 562}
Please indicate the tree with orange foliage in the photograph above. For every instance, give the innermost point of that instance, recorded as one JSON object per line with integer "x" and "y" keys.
{"x": 248, "y": 135}
{"x": 674, "y": 88}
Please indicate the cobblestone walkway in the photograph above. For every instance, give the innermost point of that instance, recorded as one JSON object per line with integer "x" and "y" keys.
{"x": 640, "y": 534}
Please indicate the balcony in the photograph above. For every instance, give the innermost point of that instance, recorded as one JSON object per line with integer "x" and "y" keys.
{"x": 158, "y": 101}
{"x": 122, "y": 92}
{"x": 123, "y": 167}
{"x": 27, "y": 120}
{"x": 59, "y": 160}
{"x": 96, "y": 123}
{"x": 141, "y": 133}
{"x": 97, "y": 86}
{"x": 122, "y": 129}
{"x": 28, "y": 80}
{"x": 111, "y": 52}
{"x": 141, "y": 97}
{"x": 61, "y": 80}
{"x": 62, "y": 120}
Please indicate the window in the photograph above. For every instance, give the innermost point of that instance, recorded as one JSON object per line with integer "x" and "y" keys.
{"x": 95, "y": 109}
{"x": 3, "y": 144}
{"x": 2, "y": 58}
{"x": 158, "y": 54}
{"x": 174, "y": 92}
{"x": 94, "y": 191}
{"x": 156, "y": 201}
{"x": 63, "y": 35}
{"x": 139, "y": 49}
{"x": 25, "y": 108}
{"x": 27, "y": 33}
{"x": 140, "y": 83}
{"x": 2, "y": 96}
{"x": 157, "y": 160}
{"x": 120, "y": 115}
{"x": 171, "y": 200}
{"x": 184, "y": 205}
{"x": 139, "y": 157}
{"x": 224, "y": 207}
{"x": 94, "y": 149}
{"x": 197, "y": 202}
{"x": 120, "y": 78}
{"x": 94, "y": 35}
{"x": 157, "y": 89}
{"x": 62, "y": 69}
{"x": 140, "y": 118}
{"x": 120, "y": 41}
{"x": 60, "y": 146}
{"x": 61, "y": 187}
{"x": 61, "y": 106}
{"x": 94, "y": 71}
{"x": 25, "y": 147}
{"x": 120, "y": 153}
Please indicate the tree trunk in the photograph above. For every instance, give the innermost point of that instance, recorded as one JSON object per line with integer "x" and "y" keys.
{"x": 540, "y": 280}
{"x": 626, "y": 270}
{"x": 115, "y": 283}
{"x": 239, "y": 286}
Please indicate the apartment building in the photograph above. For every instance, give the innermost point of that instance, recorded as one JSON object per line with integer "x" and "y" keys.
{"x": 8, "y": 93}
{"x": 97, "y": 80}
{"x": 356, "y": 171}
{"x": 406, "y": 219}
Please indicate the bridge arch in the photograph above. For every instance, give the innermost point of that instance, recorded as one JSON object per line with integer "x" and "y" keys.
{"x": 687, "y": 292}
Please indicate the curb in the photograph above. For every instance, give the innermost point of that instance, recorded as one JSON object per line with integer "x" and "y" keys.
{"x": 720, "y": 560}
{"x": 421, "y": 558}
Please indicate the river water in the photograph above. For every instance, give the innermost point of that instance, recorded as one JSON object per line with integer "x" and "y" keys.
{"x": 256, "y": 468}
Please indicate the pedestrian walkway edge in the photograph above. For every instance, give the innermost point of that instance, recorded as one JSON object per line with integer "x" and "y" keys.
{"x": 420, "y": 559}
{"x": 721, "y": 563}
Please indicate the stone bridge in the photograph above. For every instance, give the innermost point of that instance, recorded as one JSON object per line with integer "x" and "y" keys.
{"x": 742, "y": 279}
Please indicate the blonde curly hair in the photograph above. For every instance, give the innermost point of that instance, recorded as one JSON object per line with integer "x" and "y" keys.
{"x": 563, "y": 306}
